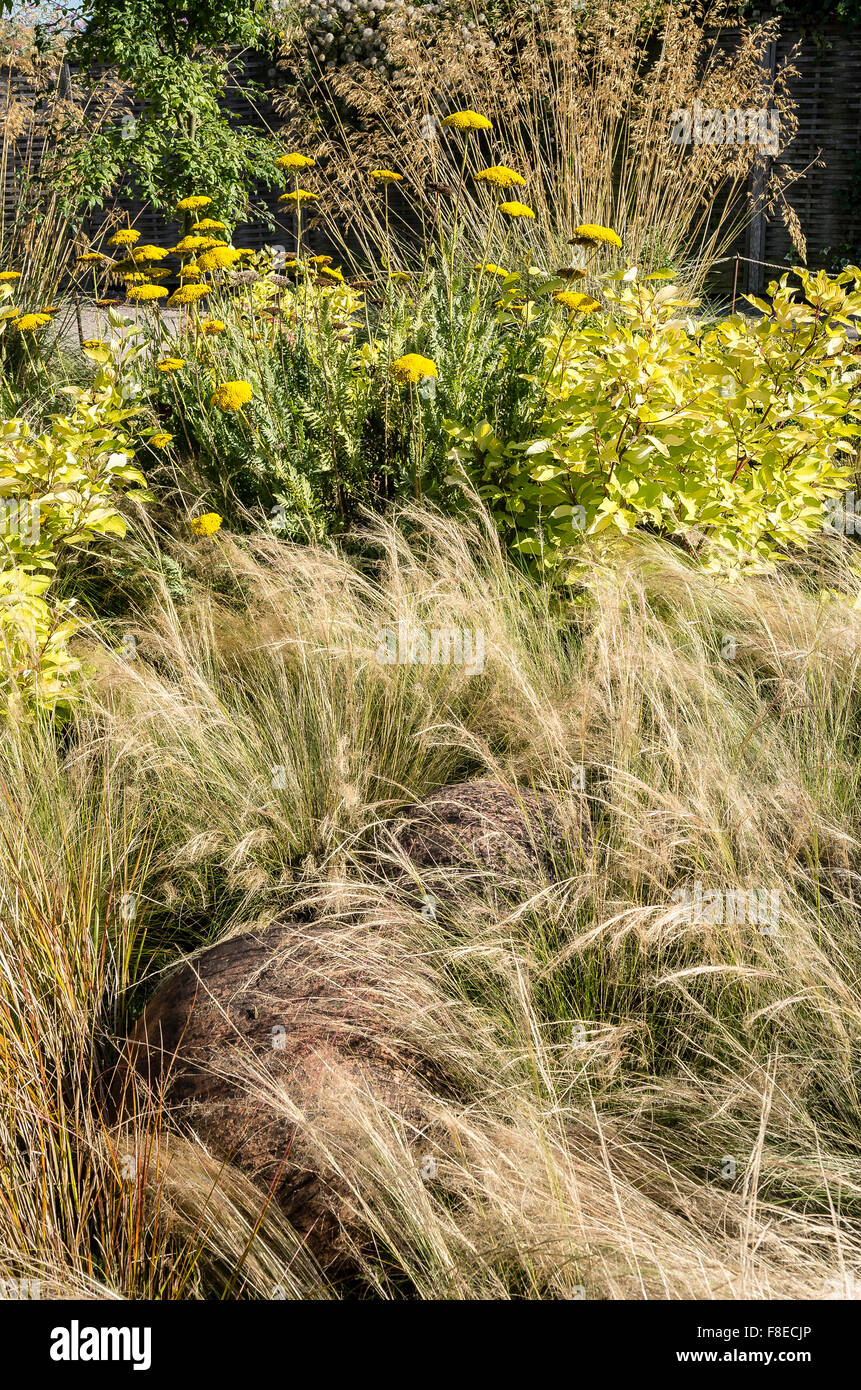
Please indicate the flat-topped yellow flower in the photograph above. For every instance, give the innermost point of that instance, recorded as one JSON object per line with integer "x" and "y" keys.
{"x": 126, "y": 236}
{"x": 212, "y": 326}
{"x": 570, "y": 272}
{"x": 190, "y": 243}
{"x": 516, "y": 209}
{"x": 206, "y": 525}
{"x": 143, "y": 293}
{"x": 93, "y": 342}
{"x": 232, "y": 395}
{"x": 500, "y": 176}
{"x": 10, "y": 275}
{"x": 209, "y": 225}
{"x": 385, "y": 176}
{"x": 298, "y": 196}
{"x": 170, "y": 364}
{"x": 413, "y": 368}
{"x": 590, "y": 234}
{"x": 192, "y": 203}
{"x": 91, "y": 257}
{"x": 316, "y": 260}
{"x": 491, "y": 269}
{"x": 28, "y": 323}
{"x": 294, "y": 160}
{"x": 467, "y": 120}
{"x": 188, "y": 294}
{"x": 151, "y": 253}
{"x": 332, "y": 271}
{"x": 49, "y": 308}
{"x": 219, "y": 258}
{"x": 160, "y": 439}
{"x": 106, "y": 303}
{"x": 576, "y": 302}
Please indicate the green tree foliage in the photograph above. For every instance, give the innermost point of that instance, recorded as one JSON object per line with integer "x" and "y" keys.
{"x": 175, "y": 62}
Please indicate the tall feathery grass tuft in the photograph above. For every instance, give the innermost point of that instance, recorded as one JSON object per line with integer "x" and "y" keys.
{"x": 629, "y": 1098}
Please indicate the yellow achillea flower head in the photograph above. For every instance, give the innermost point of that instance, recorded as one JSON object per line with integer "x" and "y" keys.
{"x": 93, "y": 342}
{"x": 332, "y": 271}
{"x": 582, "y": 303}
{"x": 209, "y": 225}
{"x": 206, "y": 525}
{"x": 170, "y": 364}
{"x": 105, "y": 303}
{"x": 500, "y": 176}
{"x": 219, "y": 258}
{"x": 190, "y": 243}
{"x": 570, "y": 272}
{"x": 10, "y": 275}
{"x": 386, "y": 176}
{"x": 412, "y": 368}
{"x": 49, "y": 309}
{"x": 146, "y": 292}
{"x": 212, "y": 326}
{"x": 91, "y": 257}
{"x": 29, "y": 322}
{"x": 138, "y": 278}
{"x": 294, "y": 161}
{"x": 190, "y": 204}
{"x": 589, "y": 234}
{"x": 491, "y": 269}
{"x": 232, "y": 395}
{"x": 298, "y": 196}
{"x": 151, "y": 253}
{"x": 516, "y": 210}
{"x": 317, "y": 260}
{"x": 160, "y": 439}
{"x": 467, "y": 120}
{"x": 127, "y": 236}
{"x": 188, "y": 294}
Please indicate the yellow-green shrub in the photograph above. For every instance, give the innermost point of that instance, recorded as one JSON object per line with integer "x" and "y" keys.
{"x": 57, "y": 489}
{"x": 731, "y": 435}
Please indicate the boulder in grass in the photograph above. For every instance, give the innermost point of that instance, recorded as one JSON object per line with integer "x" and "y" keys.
{"x": 478, "y": 834}
{"x": 252, "y": 1040}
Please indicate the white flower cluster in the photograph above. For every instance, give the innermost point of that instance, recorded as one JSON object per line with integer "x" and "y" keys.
{"x": 354, "y": 31}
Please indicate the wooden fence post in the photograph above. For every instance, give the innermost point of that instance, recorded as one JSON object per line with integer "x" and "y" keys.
{"x": 759, "y": 180}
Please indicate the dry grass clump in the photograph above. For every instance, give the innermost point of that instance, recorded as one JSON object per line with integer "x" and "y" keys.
{"x": 582, "y": 101}
{"x": 627, "y": 1101}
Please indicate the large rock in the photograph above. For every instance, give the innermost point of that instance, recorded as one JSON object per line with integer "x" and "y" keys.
{"x": 480, "y": 834}
{"x": 251, "y": 1028}
{"x": 256, "y": 1041}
